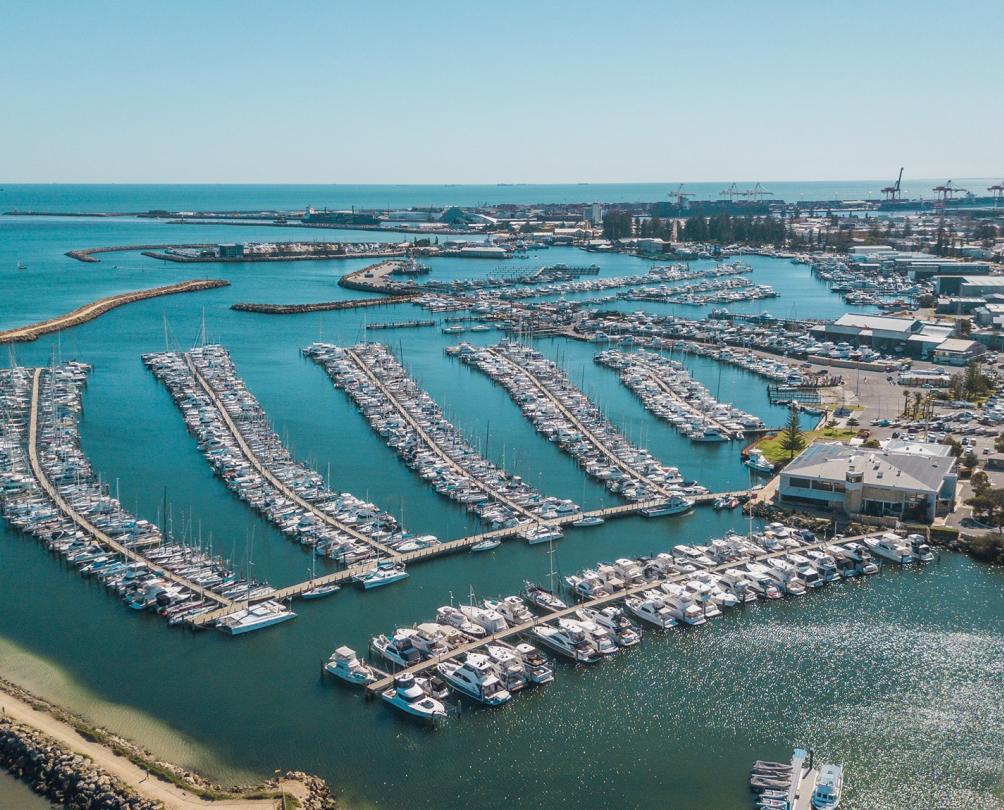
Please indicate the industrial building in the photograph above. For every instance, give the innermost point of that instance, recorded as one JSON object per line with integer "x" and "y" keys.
{"x": 912, "y": 337}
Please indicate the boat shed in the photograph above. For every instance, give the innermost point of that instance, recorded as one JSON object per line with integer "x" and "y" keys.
{"x": 884, "y": 333}
{"x": 957, "y": 351}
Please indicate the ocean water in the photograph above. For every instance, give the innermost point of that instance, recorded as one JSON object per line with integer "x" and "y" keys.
{"x": 140, "y": 198}
{"x": 18, "y": 796}
{"x": 896, "y": 677}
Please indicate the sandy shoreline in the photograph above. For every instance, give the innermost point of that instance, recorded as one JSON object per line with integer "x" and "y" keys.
{"x": 141, "y": 773}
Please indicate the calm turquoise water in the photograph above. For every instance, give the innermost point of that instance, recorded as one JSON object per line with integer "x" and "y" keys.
{"x": 140, "y": 197}
{"x": 18, "y": 796}
{"x": 898, "y": 677}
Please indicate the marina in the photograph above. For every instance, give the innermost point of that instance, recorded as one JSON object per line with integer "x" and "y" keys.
{"x": 50, "y": 491}
{"x": 667, "y": 590}
{"x": 668, "y": 391}
{"x": 753, "y": 659}
{"x": 415, "y": 426}
{"x": 563, "y": 414}
{"x": 432, "y": 494}
{"x": 234, "y": 435}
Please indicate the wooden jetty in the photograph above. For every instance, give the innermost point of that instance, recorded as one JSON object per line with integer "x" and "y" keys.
{"x": 454, "y": 546}
{"x": 523, "y": 629}
{"x": 89, "y": 312}
{"x": 99, "y": 536}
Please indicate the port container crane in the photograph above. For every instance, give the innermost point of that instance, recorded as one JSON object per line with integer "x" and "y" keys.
{"x": 892, "y": 193}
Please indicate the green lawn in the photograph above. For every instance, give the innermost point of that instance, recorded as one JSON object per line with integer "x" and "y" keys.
{"x": 771, "y": 444}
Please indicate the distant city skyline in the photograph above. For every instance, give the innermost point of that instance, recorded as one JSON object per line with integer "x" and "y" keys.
{"x": 462, "y": 93}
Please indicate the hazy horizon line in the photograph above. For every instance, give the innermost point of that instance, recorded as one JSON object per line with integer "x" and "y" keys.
{"x": 4, "y": 183}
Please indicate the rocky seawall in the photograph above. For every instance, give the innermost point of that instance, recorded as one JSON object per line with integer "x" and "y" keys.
{"x": 73, "y": 779}
{"x": 61, "y": 776}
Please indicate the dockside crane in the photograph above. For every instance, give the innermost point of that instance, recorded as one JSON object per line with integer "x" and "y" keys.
{"x": 997, "y": 190}
{"x": 947, "y": 192}
{"x": 732, "y": 192}
{"x": 680, "y": 196}
{"x": 757, "y": 193}
{"x": 892, "y": 193}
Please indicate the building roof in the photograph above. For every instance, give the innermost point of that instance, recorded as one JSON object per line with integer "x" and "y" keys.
{"x": 906, "y": 471}
{"x": 917, "y": 448}
{"x": 983, "y": 281}
{"x": 957, "y": 345}
{"x": 882, "y": 322}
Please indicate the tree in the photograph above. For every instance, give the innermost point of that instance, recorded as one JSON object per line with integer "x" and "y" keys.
{"x": 970, "y": 460}
{"x": 989, "y": 506}
{"x": 955, "y": 447}
{"x": 965, "y": 327}
{"x": 616, "y": 225}
{"x": 980, "y": 482}
{"x": 999, "y": 443}
{"x": 792, "y": 439}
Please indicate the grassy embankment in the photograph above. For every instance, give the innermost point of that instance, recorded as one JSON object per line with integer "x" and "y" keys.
{"x": 770, "y": 444}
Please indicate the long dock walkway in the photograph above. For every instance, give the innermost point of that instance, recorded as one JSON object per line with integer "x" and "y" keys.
{"x": 600, "y": 446}
{"x": 453, "y": 546}
{"x": 434, "y": 446}
{"x": 255, "y": 462}
{"x": 86, "y": 525}
{"x": 518, "y": 630}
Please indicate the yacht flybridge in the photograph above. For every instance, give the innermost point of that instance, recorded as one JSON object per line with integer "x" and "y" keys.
{"x": 408, "y": 696}
{"x": 476, "y": 679}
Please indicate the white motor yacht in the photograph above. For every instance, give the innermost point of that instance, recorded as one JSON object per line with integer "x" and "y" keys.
{"x": 891, "y": 547}
{"x": 651, "y": 608}
{"x": 612, "y": 618}
{"x": 676, "y": 505}
{"x": 541, "y": 534}
{"x": 567, "y": 642}
{"x": 685, "y": 610}
{"x": 757, "y": 462}
{"x": 829, "y": 787}
{"x": 537, "y": 665}
{"x": 400, "y": 649}
{"x": 408, "y": 696}
{"x": 476, "y": 679}
{"x": 509, "y": 667}
{"x": 512, "y": 608}
{"x": 491, "y": 621}
{"x": 597, "y": 636}
{"x": 344, "y": 664}
{"x": 921, "y": 550}
{"x": 255, "y": 617}
{"x": 383, "y": 574}
{"x": 452, "y": 616}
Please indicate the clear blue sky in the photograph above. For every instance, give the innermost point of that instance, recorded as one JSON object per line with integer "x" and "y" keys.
{"x": 467, "y": 92}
